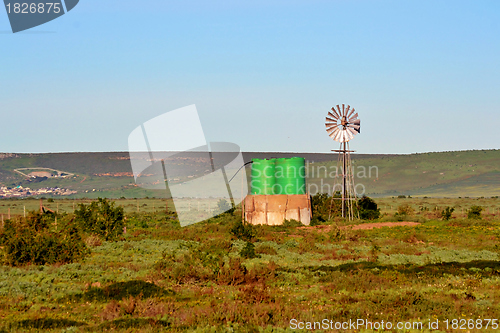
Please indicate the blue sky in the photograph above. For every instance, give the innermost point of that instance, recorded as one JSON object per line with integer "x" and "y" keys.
{"x": 423, "y": 75}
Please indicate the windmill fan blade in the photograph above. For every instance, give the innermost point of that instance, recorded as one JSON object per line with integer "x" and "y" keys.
{"x": 354, "y": 127}
{"x": 334, "y": 116}
{"x": 348, "y": 135}
{"x": 335, "y": 112}
{"x": 331, "y": 119}
{"x": 338, "y": 135}
{"x": 353, "y": 117}
{"x": 347, "y": 109}
{"x": 343, "y": 137}
{"x": 352, "y": 131}
{"x": 327, "y": 124}
{"x": 343, "y": 110}
{"x": 340, "y": 112}
{"x": 331, "y": 129}
{"x": 350, "y": 113}
{"x": 355, "y": 122}
{"x": 334, "y": 133}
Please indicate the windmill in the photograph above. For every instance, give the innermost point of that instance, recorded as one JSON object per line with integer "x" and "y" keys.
{"x": 342, "y": 125}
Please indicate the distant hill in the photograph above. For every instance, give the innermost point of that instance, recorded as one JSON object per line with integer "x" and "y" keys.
{"x": 109, "y": 174}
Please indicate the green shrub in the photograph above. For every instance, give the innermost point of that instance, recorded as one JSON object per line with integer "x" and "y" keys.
{"x": 223, "y": 206}
{"x": 368, "y": 209}
{"x": 242, "y": 231}
{"x": 474, "y": 212}
{"x": 189, "y": 263}
{"x": 405, "y": 210}
{"x": 446, "y": 214}
{"x": 35, "y": 241}
{"x": 248, "y": 252}
{"x": 324, "y": 208}
{"x": 265, "y": 249}
{"x": 101, "y": 218}
{"x": 292, "y": 223}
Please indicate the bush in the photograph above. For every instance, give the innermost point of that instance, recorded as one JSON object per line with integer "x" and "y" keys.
{"x": 324, "y": 208}
{"x": 265, "y": 249}
{"x": 446, "y": 214}
{"x": 190, "y": 263}
{"x": 224, "y": 206}
{"x": 31, "y": 240}
{"x": 242, "y": 231}
{"x": 474, "y": 212}
{"x": 405, "y": 210}
{"x": 292, "y": 223}
{"x": 248, "y": 252}
{"x": 368, "y": 209}
{"x": 101, "y": 218}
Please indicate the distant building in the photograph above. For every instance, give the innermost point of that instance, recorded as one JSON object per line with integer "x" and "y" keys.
{"x": 40, "y": 174}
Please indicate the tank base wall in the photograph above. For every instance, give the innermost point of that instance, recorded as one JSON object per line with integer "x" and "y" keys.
{"x": 275, "y": 209}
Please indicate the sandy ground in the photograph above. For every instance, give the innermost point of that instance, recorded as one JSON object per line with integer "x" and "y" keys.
{"x": 380, "y": 225}
{"x": 364, "y": 226}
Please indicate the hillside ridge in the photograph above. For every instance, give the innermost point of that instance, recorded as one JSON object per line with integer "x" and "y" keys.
{"x": 471, "y": 173}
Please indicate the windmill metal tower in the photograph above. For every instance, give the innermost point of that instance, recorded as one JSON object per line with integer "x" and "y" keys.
{"x": 342, "y": 124}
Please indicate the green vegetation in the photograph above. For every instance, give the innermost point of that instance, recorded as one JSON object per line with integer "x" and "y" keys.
{"x": 324, "y": 208}
{"x": 405, "y": 210}
{"x": 223, "y": 206}
{"x": 221, "y": 275}
{"x": 446, "y": 213}
{"x": 101, "y": 218}
{"x": 474, "y": 212}
{"x": 243, "y": 231}
{"x": 38, "y": 239}
{"x": 368, "y": 209}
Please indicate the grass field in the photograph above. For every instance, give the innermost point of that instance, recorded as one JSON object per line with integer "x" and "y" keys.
{"x": 161, "y": 277}
{"x": 423, "y": 207}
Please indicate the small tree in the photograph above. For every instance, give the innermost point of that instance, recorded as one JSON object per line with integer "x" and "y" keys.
{"x": 323, "y": 208}
{"x": 101, "y": 218}
{"x": 474, "y": 212}
{"x": 446, "y": 214}
{"x": 405, "y": 209}
{"x": 368, "y": 209}
{"x": 224, "y": 206}
{"x": 248, "y": 251}
{"x": 242, "y": 231}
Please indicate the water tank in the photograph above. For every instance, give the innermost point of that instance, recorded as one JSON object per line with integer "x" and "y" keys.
{"x": 290, "y": 176}
{"x": 263, "y": 178}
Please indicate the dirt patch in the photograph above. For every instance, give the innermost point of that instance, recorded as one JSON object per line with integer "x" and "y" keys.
{"x": 365, "y": 226}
